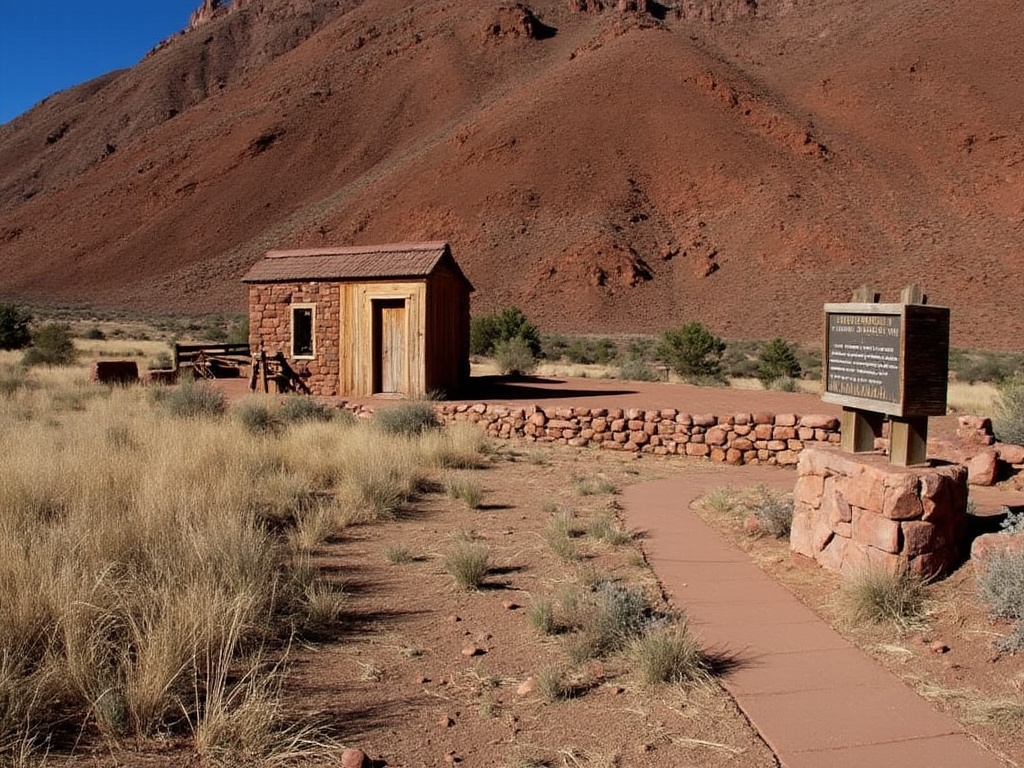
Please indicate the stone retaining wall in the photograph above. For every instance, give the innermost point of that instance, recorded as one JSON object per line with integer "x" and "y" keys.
{"x": 740, "y": 438}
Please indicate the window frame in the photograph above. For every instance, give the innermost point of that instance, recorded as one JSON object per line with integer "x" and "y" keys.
{"x": 293, "y": 310}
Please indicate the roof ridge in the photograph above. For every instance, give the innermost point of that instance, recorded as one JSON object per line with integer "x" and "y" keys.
{"x": 345, "y": 250}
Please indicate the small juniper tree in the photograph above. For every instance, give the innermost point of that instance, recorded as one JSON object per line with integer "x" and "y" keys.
{"x": 51, "y": 345}
{"x": 14, "y": 333}
{"x": 778, "y": 360}
{"x": 488, "y": 331}
{"x": 692, "y": 351}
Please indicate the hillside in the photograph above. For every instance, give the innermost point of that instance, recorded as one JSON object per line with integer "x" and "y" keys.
{"x": 608, "y": 170}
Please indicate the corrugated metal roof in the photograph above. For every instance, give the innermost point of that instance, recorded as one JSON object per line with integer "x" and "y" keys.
{"x": 367, "y": 262}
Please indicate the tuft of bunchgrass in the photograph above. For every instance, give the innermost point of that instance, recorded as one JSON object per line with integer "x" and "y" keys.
{"x": 561, "y": 534}
{"x": 669, "y": 653}
{"x": 605, "y": 528}
{"x": 466, "y": 490}
{"x": 412, "y": 418}
{"x": 880, "y": 596}
{"x": 468, "y": 564}
{"x": 552, "y": 685}
{"x": 590, "y": 486}
{"x": 398, "y": 554}
{"x": 541, "y": 615}
{"x": 720, "y": 501}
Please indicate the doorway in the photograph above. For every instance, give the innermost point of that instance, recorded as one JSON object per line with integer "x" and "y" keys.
{"x": 389, "y": 346}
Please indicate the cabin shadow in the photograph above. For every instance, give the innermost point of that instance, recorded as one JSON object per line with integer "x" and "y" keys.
{"x": 530, "y": 388}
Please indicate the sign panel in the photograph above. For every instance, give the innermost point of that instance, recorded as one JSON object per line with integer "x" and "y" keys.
{"x": 864, "y": 354}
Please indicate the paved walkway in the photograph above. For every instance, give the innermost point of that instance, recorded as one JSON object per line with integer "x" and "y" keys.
{"x": 817, "y": 700}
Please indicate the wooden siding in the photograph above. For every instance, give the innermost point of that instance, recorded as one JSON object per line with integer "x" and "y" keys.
{"x": 357, "y": 339}
{"x": 447, "y": 334}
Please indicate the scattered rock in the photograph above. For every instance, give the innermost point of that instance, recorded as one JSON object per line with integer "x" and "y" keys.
{"x": 751, "y": 525}
{"x": 528, "y": 686}
{"x": 454, "y": 619}
{"x": 452, "y": 758}
{"x": 509, "y": 605}
{"x": 983, "y": 469}
{"x": 421, "y": 680}
{"x": 473, "y": 650}
{"x": 446, "y": 722}
{"x": 355, "y": 758}
{"x": 938, "y": 647}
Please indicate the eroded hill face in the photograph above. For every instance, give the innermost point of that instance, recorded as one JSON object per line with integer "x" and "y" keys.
{"x": 608, "y": 166}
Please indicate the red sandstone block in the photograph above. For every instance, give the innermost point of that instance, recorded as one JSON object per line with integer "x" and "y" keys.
{"x": 742, "y": 444}
{"x": 734, "y": 456}
{"x": 685, "y": 419}
{"x": 805, "y": 433}
{"x": 618, "y": 425}
{"x": 743, "y": 429}
{"x": 763, "y": 431}
{"x": 764, "y": 418}
{"x": 783, "y": 433}
{"x": 807, "y": 490}
{"x": 704, "y": 420}
{"x": 638, "y": 436}
{"x": 716, "y": 436}
{"x": 876, "y": 531}
{"x": 697, "y": 449}
{"x": 785, "y": 420}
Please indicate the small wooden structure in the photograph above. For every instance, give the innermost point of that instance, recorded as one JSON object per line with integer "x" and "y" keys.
{"x": 364, "y": 320}
{"x": 887, "y": 359}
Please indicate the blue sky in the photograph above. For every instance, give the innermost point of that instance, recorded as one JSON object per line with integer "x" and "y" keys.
{"x": 51, "y": 45}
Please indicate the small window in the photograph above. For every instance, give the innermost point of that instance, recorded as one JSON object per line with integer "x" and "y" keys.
{"x": 302, "y": 331}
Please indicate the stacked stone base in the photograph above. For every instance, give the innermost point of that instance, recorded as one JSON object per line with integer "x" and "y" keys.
{"x": 855, "y": 512}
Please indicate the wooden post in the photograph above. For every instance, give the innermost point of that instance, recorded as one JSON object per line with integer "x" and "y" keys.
{"x": 865, "y": 295}
{"x": 263, "y": 371}
{"x": 913, "y": 294}
{"x": 908, "y": 441}
{"x": 859, "y": 430}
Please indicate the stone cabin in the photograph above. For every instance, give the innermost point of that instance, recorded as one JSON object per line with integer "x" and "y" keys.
{"x": 364, "y": 320}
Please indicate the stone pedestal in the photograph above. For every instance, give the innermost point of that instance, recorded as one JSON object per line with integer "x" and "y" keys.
{"x": 853, "y": 512}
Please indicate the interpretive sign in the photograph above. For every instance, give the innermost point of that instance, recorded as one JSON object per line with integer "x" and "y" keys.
{"x": 887, "y": 358}
{"x": 864, "y": 356}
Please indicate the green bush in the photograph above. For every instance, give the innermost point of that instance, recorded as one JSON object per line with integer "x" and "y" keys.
{"x": 692, "y": 351}
{"x": 413, "y": 418}
{"x": 777, "y": 360}
{"x": 14, "y": 332}
{"x": 584, "y": 351}
{"x": 514, "y": 357}
{"x": 487, "y": 331}
{"x": 1008, "y": 423}
{"x": 51, "y": 345}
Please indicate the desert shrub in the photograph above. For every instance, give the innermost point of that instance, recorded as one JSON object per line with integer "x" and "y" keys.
{"x": 773, "y": 511}
{"x": 777, "y": 360}
{"x": 1008, "y": 423}
{"x": 810, "y": 364}
{"x": 95, "y": 333}
{"x": 561, "y": 534}
{"x": 783, "y": 384}
{"x": 984, "y": 366}
{"x": 299, "y": 408}
{"x": 605, "y": 620}
{"x": 487, "y": 331}
{"x": 192, "y": 400}
{"x": 878, "y": 596}
{"x": 1001, "y": 589}
{"x": 398, "y": 554}
{"x": 692, "y": 351}
{"x": 669, "y": 653}
{"x": 514, "y": 357}
{"x": 638, "y": 370}
{"x": 257, "y": 416}
{"x": 51, "y": 345}
{"x": 14, "y": 327}
{"x": 407, "y": 419}
{"x": 468, "y": 564}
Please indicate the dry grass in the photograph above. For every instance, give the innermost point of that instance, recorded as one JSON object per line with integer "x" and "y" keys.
{"x": 977, "y": 399}
{"x": 877, "y": 596}
{"x": 147, "y": 563}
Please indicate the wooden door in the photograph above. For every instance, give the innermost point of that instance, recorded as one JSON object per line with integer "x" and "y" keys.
{"x": 390, "y": 352}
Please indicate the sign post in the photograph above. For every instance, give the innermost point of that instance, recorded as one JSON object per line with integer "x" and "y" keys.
{"x": 887, "y": 360}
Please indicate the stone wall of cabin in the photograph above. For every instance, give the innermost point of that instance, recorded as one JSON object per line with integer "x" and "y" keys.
{"x": 270, "y": 328}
